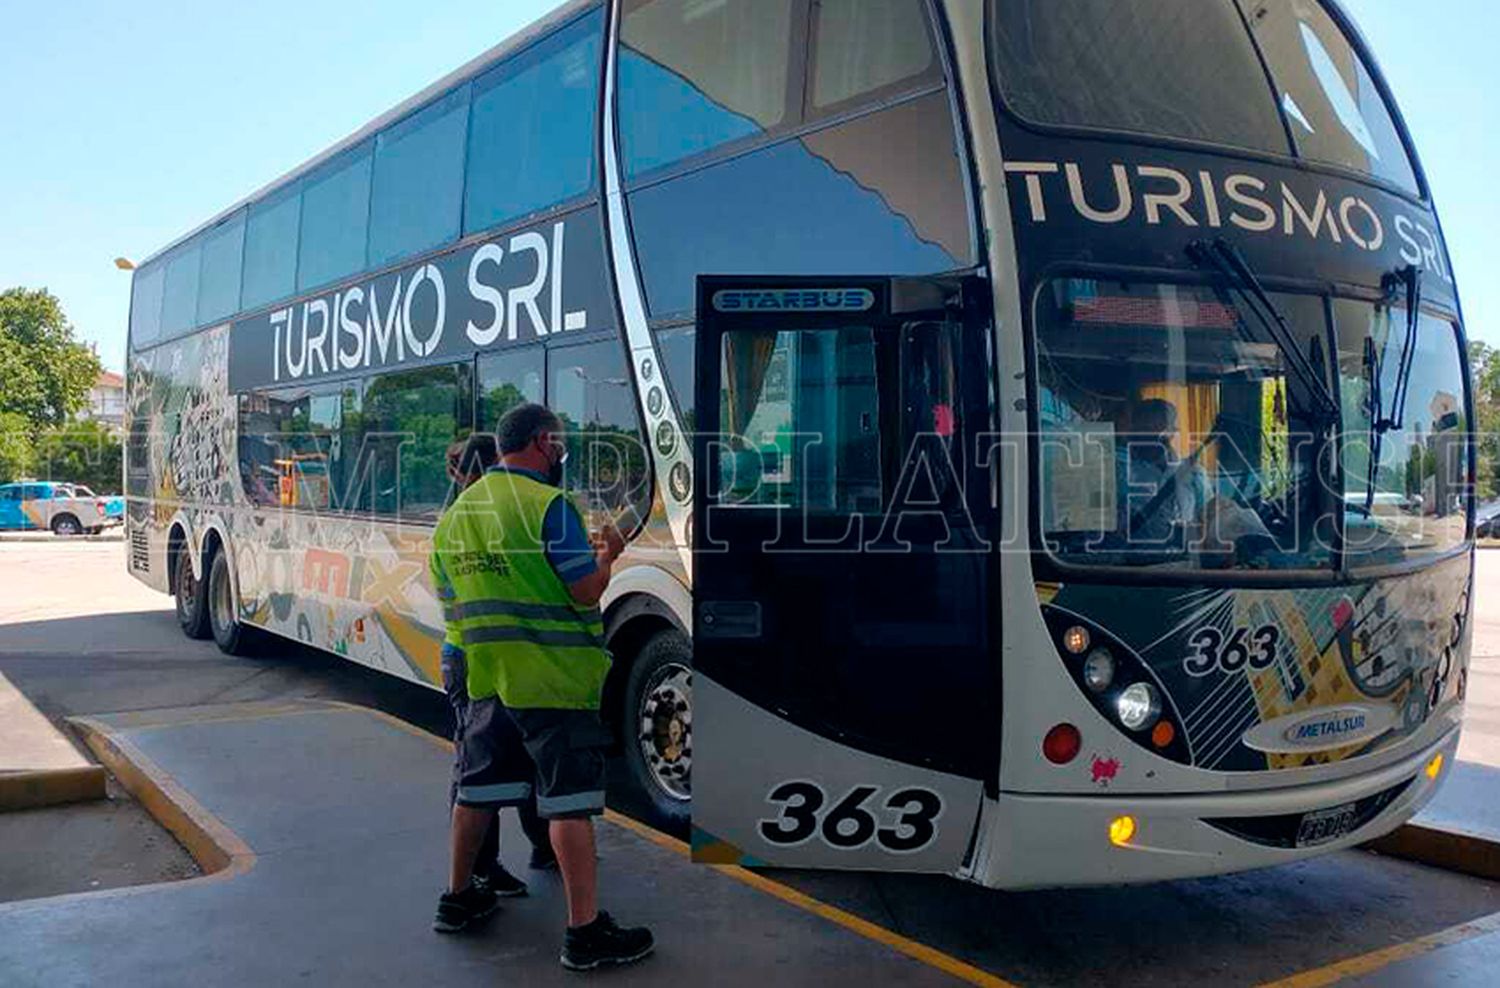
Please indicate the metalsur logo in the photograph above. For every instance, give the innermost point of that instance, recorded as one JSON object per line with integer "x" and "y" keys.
{"x": 1317, "y": 730}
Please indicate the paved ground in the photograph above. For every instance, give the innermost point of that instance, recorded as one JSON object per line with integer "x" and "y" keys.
{"x": 105, "y": 844}
{"x": 347, "y": 849}
{"x": 126, "y": 654}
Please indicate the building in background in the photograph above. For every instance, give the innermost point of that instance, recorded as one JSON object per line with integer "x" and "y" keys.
{"x": 107, "y": 400}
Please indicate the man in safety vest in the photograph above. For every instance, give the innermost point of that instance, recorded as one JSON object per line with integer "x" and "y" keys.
{"x": 521, "y": 583}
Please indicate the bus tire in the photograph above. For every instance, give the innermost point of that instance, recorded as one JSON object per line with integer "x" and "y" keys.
{"x": 656, "y": 725}
{"x": 192, "y": 603}
{"x": 232, "y": 637}
{"x": 66, "y": 525}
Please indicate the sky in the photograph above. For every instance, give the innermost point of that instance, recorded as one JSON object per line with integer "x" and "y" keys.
{"x": 126, "y": 125}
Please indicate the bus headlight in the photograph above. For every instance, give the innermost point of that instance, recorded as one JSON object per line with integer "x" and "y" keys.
{"x": 1099, "y": 670}
{"x": 1138, "y": 706}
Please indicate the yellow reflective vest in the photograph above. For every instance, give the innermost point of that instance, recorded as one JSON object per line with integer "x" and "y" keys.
{"x": 524, "y": 637}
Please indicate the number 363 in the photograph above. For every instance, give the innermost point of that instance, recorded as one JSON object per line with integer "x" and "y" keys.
{"x": 909, "y": 819}
{"x": 1242, "y": 648}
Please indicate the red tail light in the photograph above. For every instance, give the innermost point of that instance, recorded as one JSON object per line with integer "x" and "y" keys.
{"x": 1062, "y": 744}
{"x": 100, "y": 507}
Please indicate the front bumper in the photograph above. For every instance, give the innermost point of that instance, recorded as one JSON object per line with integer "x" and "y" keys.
{"x": 1054, "y": 841}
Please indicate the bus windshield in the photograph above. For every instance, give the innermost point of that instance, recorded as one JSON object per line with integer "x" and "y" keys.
{"x": 1189, "y": 69}
{"x": 1173, "y": 434}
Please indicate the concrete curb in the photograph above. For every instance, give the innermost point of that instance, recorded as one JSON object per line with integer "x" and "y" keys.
{"x": 6, "y": 537}
{"x": 50, "y": 787}
{"x": 218, "y": 850}
{"x": 1453, "y": 850}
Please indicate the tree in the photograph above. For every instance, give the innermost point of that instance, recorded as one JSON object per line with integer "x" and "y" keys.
{"x": 1484, "y": 366}
{"x": 47, "y": 373}
{"x": 17, "y": 455}
{"x": 86, "y": 453}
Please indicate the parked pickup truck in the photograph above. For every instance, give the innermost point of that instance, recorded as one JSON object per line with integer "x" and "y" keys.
{"x": 67, "y": 509}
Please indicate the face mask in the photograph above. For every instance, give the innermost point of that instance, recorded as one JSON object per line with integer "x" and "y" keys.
{"x": 555, "y": 472}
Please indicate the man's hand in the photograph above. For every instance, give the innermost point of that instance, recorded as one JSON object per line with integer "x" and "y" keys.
{"x": 609, "y": 543}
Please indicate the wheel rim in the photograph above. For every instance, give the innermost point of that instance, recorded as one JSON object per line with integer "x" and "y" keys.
{"x": 665, "y": 732}
{"x": 218, "y": 599}
{"x": 187, "y": 589}
{"x": 67, "y": 527}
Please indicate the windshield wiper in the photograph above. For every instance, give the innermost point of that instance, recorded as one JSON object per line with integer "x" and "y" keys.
{"x": 1411, "y": 278}
{"x": 1226, "y": 259}
{"x": 1381, "y": 419}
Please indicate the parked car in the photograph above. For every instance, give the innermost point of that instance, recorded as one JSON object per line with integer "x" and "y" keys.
{"x": 67, "y": 509}
{"x": 1487, "y": 521}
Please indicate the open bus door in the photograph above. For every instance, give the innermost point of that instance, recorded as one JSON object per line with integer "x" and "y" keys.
{"x": 847, "y": 689}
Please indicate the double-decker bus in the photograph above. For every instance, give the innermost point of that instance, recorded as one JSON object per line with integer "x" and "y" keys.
{"x": 1043, "y": 425}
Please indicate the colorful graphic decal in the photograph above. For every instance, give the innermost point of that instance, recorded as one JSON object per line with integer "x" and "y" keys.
{"x": 355, "y": 587}
{"x": 1276, "y": 679}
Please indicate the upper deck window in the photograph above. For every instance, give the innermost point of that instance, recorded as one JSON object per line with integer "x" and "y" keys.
{"x": 1176, "y": 68}
{"x": 219, "y": 277}
{"x": 419, "y": 180}
{"x": 270, "y": 261}
{"x": 531, "y": 137}
{"x": 145, "y": 304}
{"x": 335, "y": 218}
{"x": 868, "y": 47}
{"x": 1336, "y": 111}
{"x": 696, "y": 74}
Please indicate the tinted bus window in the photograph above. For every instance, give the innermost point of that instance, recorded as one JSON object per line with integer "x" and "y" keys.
{"x": 696, "y": 75}
{"x": 880, "y": 194}
{"x": 679, "y": 356}
{"x": 408, "y": 421}
{"x": 335, "y": 217}
{"x": 1178, "y": 68}
{"x": 1337, "y": 114}
{"x": 271, "y": 249}
{"x": 589, "y": 387}
{"x": 293, "y": 446}
{"x": 145, "y": 304}
{"x": 179, "y": 304}
{"x": 219, "y": 278}
{"x": 419, "y": 180}
{"x": 1414, "y": 499}
{"x": 531, "y": 137}
{"x": 507, "y": 379}
{"x": 863, "y": 47}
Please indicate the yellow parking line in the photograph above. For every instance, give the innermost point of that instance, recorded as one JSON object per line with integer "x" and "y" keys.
{"x": 870, "y": 931}
{"x": 1385, "y": 957}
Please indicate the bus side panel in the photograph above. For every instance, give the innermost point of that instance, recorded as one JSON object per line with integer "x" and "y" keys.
{"x": 356, "y": 588}
{"x": 180, "y": 442}
{"x": 352, "y": 587}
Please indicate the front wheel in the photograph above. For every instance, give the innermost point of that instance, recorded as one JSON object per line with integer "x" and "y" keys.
{"x": 232, "y": 637}
{"x": 658, "y": 725}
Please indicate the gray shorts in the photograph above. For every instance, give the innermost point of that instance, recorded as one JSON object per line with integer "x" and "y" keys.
{"x": 491, "y": 768}
{"x": 569, "y": 748}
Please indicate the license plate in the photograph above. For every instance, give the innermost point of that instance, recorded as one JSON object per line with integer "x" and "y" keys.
{"x": 1322, "y": 826}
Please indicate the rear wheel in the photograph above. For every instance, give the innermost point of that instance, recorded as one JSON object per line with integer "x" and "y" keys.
{"x": 66, "y": 525}
{"x": 192, "y": 608}
{"x": 232, "y": 637}
{"x": 658, "y": 725}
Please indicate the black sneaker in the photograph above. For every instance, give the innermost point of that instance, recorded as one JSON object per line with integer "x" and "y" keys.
{"x": 501, "y": 882}
{"x": 458, "y": 911}
{"x": 543, "y": 859}
{"x": 604, "y": 942}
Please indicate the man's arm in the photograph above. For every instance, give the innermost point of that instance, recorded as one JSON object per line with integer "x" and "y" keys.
{"x": 590, "y": 590}
{"x": 583, "y": 567}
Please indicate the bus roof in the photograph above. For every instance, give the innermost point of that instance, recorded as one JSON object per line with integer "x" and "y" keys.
{"x": 521, "y": 39}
